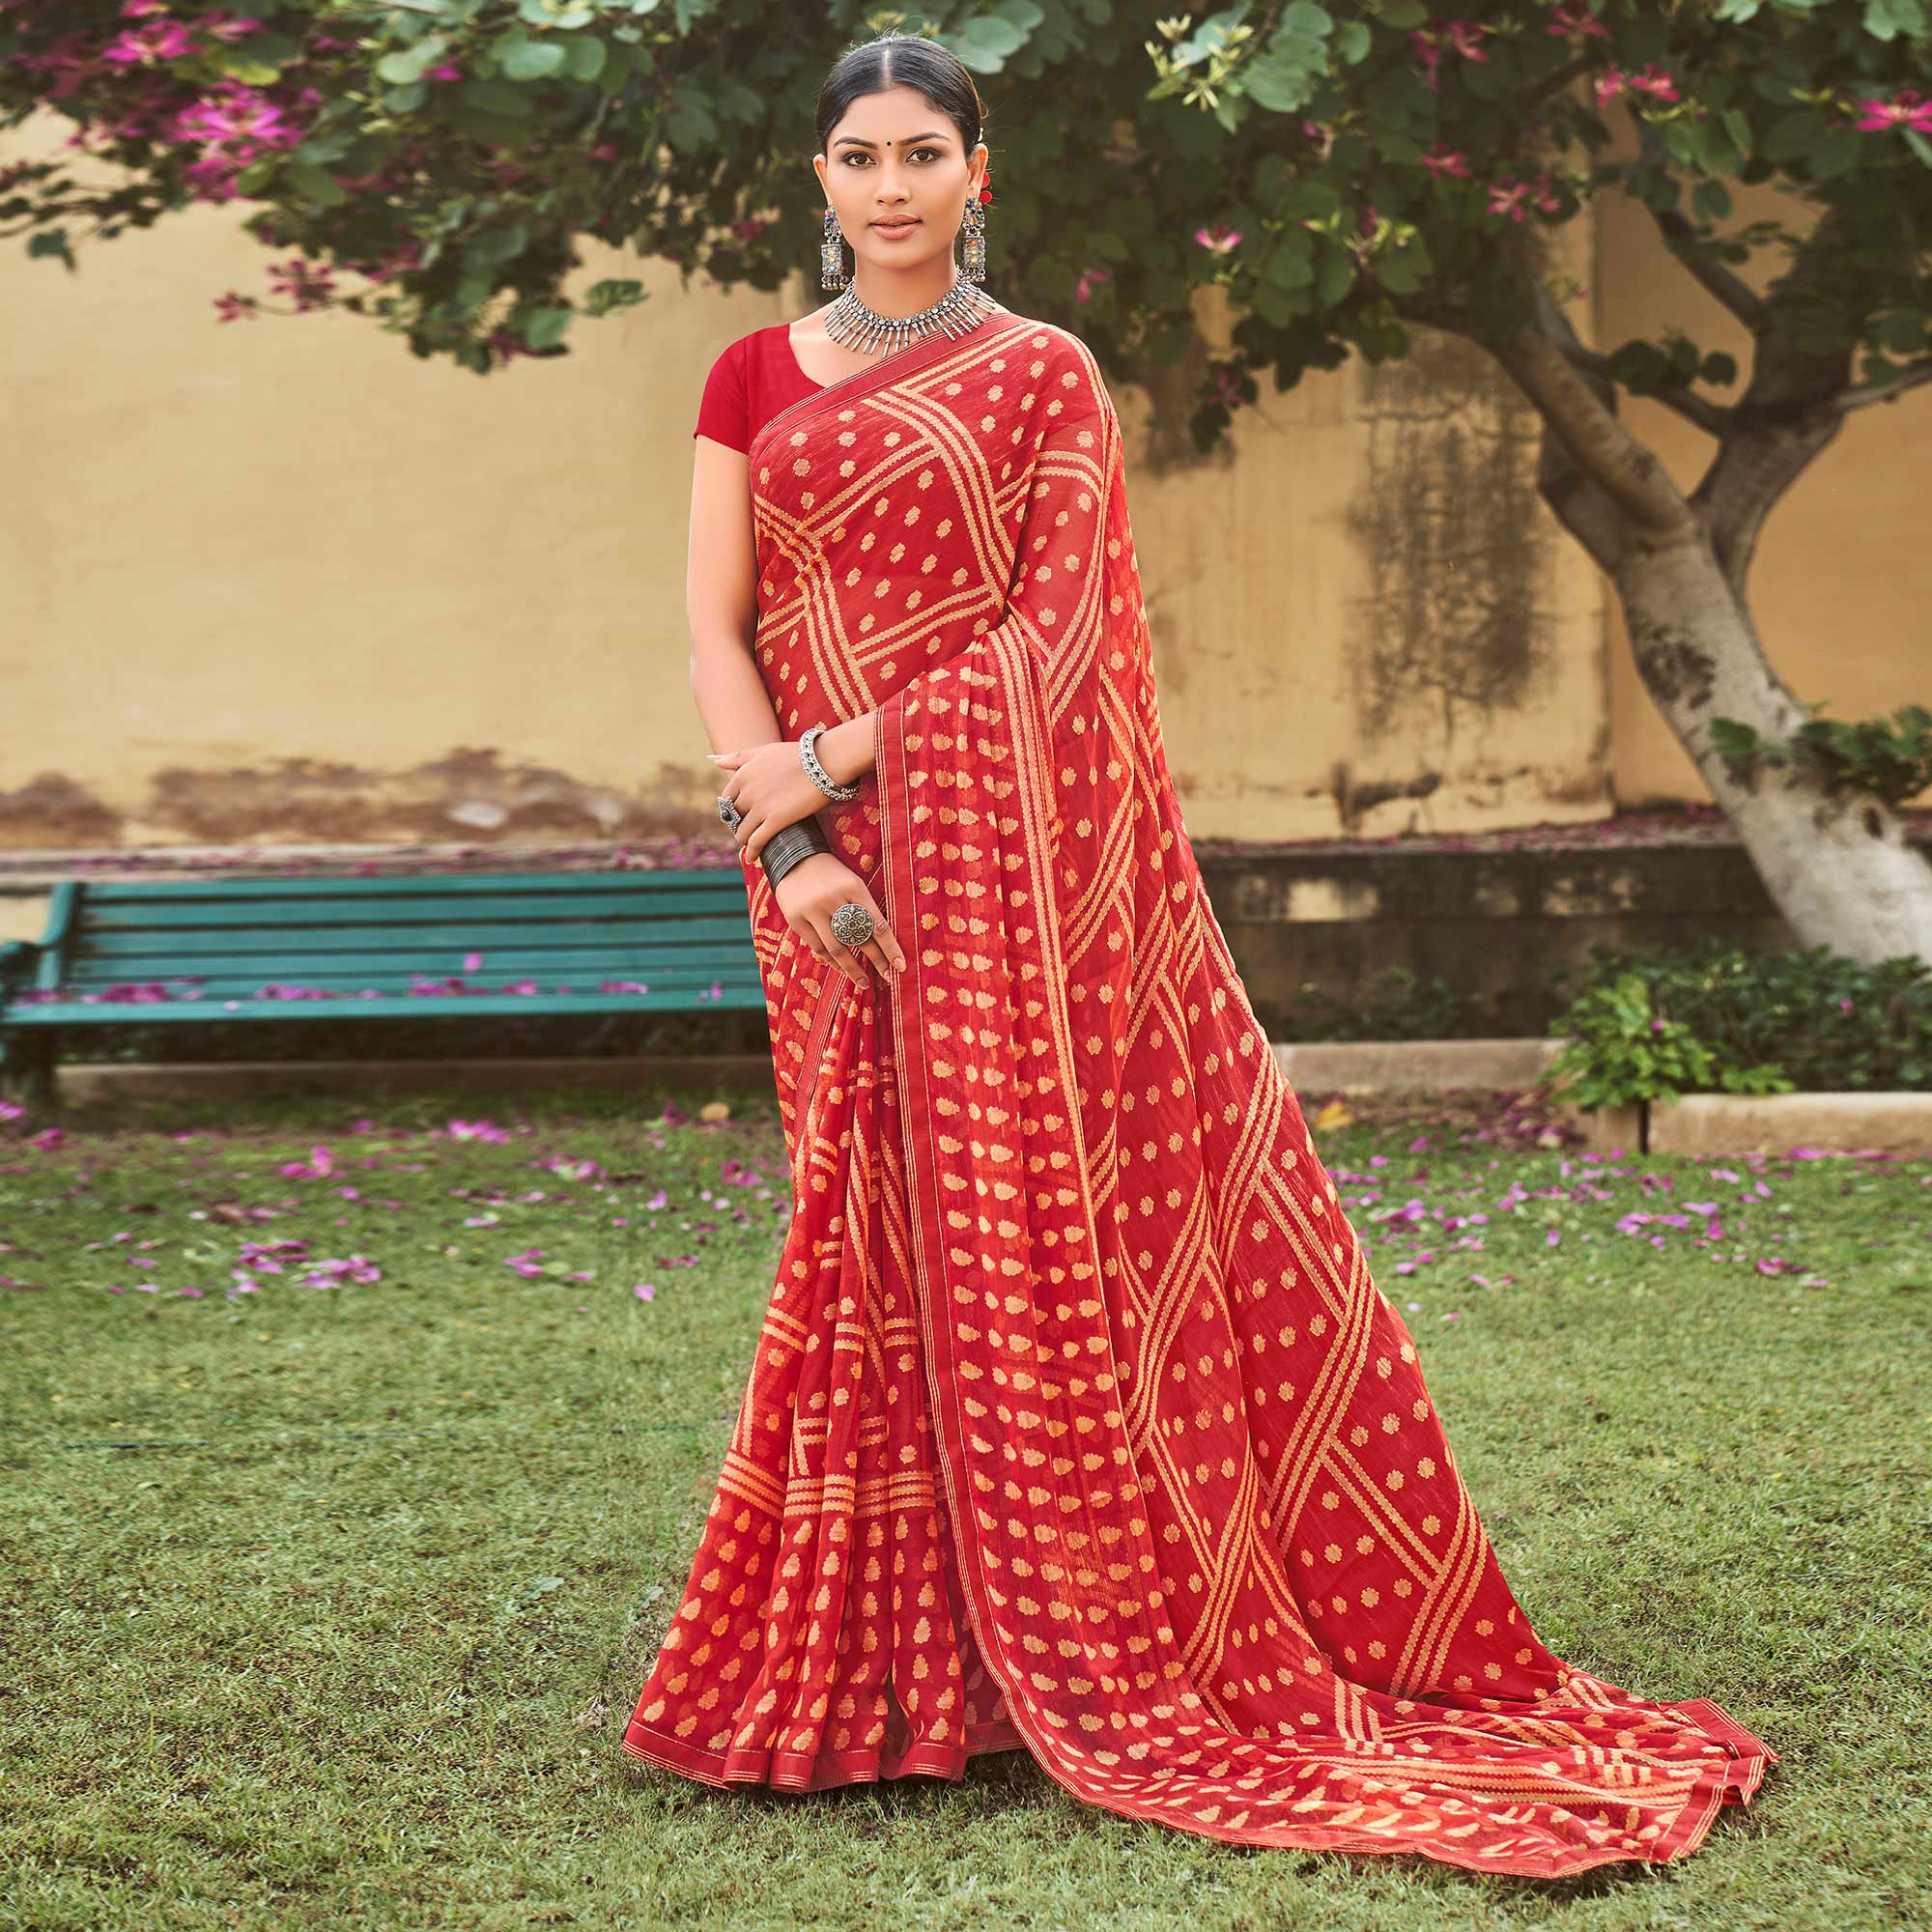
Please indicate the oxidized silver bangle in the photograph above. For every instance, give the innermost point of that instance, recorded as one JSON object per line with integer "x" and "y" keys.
{"x": 816, "y": 772}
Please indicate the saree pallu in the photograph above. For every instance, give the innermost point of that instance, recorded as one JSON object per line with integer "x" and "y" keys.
{"x": 1076, "y": 1422}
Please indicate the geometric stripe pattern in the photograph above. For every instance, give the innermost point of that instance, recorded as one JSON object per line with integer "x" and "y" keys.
{"x": 1076, "y": 1422}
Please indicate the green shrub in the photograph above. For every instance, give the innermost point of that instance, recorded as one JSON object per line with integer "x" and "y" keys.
{"x": 1714, "y": 1018}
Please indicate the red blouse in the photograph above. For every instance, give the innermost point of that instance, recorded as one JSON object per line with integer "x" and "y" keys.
{"x": 756, "y": 378}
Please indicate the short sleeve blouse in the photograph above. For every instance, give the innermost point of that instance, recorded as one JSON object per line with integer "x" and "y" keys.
{"x": 749, "y": 382}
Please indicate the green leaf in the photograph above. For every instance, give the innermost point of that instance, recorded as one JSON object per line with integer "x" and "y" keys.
{"x": 1335, "y": 277}
{"x": 544, "y": 327}
{"x": 1918, "y": 145}
{"x": 1291, "y": 262}
{"x": 409, "y": 63}
{"x": 989, "y": 33}
{"x": 587, "y": 56}
{"x": 1837, "y": 153}
{"x": 1711, "y": 201}
{"x": 317, "y": 184}
{"x": 1282, "y": 87}
{"x": 524, "y": 59}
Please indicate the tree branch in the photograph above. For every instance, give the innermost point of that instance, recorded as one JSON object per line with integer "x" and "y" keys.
{"x": 1732, "y": 289}
{"x": 1713, "y": 418}
{"x": 1580, "y": 407}
{"x": 1791, "y": 409}
{"x": 1685, "y": 244}
{"x": 1908, "y": 378}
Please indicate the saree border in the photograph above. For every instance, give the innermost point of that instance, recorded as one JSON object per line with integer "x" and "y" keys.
{"x": 912, "y": 358}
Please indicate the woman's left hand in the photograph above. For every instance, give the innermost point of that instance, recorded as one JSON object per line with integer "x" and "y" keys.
{"x": 771, "y": 789}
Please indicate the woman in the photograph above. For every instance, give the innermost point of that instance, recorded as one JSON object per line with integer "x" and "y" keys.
{"x": 1076, "y": 1422}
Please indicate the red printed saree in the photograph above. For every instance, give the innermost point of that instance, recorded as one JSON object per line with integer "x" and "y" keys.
{"x": 1076, "y": 1421}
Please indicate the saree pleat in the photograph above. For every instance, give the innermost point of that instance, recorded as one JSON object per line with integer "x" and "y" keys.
{"x": 1077, "y": 1422}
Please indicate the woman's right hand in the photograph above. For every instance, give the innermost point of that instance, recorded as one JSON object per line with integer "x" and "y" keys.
{"x": 812, "y": 892}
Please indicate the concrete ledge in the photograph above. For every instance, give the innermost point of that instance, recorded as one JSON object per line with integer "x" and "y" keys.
{"x": 1413, "y": 1065}
{"x": 1776, "y": 1122}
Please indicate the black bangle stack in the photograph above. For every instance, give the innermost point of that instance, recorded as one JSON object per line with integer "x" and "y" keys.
{"x": 791, "y": 845}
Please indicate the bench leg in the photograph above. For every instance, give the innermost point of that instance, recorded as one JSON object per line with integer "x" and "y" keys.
{"x": 27, "y": 1067}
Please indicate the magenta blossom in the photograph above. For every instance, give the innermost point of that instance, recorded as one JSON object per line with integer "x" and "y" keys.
{"x": 1576, "y": 19}
{"x": 1903, "y": 110}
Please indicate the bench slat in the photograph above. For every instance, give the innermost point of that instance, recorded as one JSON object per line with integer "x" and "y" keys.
{"x": 408, "y": 886}
{"x": 736, "y": 995}
{"x": 629, "y": 940}
{"x": 583, "y": 976}
{"x": 586, "y": 909}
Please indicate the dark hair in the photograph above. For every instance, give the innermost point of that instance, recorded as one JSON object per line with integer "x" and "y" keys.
{"x": 901, "y": 59}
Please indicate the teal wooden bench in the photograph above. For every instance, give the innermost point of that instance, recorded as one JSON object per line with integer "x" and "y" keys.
{"x": 210, "y": 948}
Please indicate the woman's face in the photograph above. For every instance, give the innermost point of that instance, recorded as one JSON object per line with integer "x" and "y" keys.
{"x": 895, "y": 155}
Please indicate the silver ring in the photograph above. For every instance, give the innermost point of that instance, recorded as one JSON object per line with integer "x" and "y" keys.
{"x": 851, "y": 924}
{"x": 728, "y": 811}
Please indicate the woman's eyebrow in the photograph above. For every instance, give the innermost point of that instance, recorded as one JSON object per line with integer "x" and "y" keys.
{"x": 931, "y": 134}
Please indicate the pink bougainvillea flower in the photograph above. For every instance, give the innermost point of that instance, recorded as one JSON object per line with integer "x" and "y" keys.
{"x": 1219, "y": 238}
{"x": 1444, "y": 161}
{"x": 1654, "y": 81}
{"x": 528, "y": 1263}
{"x": 1506, "y": 198}
{"x": 1576, "y": 19}
{"x": 1090, "y": 281}
{"x": 143, "y": 47}
{"x": 644, "y": 1290}
{"x": 1905, "y": 109}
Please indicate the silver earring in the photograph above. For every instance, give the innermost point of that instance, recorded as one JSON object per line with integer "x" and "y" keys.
{"x": 831, "y": 254}
{"x": 972, "y": 252}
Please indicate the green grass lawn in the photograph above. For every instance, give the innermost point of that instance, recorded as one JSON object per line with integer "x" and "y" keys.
{"x": 326, "y": 1603}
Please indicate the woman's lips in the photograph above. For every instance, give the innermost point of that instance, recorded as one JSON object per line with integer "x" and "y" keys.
{"x": 894, "y": 227}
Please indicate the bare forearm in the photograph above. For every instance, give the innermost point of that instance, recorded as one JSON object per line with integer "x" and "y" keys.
{"x": 731, "y": 695}
{"x": 737, "y": 711}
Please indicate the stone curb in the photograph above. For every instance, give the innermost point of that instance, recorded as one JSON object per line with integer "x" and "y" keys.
{"x": 1699, "y": 1123}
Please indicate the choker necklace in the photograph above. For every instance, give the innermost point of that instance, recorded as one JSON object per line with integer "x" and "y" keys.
{"x": 849, "y": 323}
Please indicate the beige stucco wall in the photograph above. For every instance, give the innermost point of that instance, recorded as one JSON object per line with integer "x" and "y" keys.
{"x": 280, "y": 580}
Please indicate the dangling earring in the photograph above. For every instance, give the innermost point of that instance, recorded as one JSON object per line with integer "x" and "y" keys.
{"x": 972, "y": 252}
{"x": 831, "y": 254}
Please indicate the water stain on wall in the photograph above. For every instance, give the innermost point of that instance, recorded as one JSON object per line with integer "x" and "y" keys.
{"x": 51, "y": 810}
{"x": 465, "y": 793}
{"x": 1452, "y": 629}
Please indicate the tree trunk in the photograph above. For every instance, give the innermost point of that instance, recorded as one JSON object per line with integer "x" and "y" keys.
{"x": 1836, "y": 863}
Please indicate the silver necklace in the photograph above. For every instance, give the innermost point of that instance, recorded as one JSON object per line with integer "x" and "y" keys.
{"x": 850, "y": 323}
